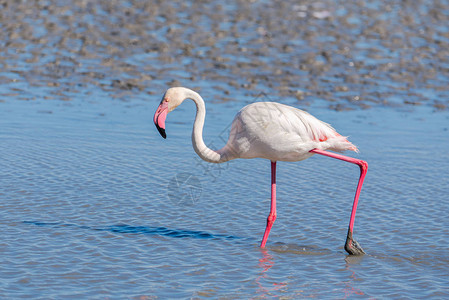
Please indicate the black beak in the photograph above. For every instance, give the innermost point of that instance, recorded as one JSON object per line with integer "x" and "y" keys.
{"x": 161, "y": 131}
{"x": 159, "y": 118}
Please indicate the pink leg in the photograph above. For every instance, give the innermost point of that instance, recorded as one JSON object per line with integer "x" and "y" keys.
{"x": 272, "y": 216}
{"x": 351, "y": 246}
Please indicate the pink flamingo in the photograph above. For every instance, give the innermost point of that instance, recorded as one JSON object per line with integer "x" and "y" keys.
{"x": 268, "y": 130}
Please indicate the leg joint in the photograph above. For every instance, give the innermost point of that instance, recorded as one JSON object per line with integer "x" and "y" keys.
{"x": 271, "y": 218}
{"x": 363, "y": 165}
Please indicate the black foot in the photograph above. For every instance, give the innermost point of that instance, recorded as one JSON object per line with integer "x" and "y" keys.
{"x": 352, "y": 247}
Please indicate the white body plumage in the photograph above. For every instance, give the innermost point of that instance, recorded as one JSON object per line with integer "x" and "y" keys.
{"x": 280, "y": 132}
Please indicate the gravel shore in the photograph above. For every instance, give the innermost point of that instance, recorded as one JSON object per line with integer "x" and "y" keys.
{"x": 353, "y": 54}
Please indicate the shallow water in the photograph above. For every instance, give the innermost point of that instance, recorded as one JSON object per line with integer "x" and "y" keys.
{"x": 88, "y": 204}
{"x": 86, "y": 210}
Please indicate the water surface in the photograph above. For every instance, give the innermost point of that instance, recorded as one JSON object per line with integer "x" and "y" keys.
{"x": 87, "y": 204}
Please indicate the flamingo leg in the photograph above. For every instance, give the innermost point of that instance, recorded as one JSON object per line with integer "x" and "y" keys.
{"x": 272, "y": 216}
{"x": 351, "y": 245}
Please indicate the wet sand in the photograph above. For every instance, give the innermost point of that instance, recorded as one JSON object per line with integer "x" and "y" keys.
{"x": 353, "y": 55}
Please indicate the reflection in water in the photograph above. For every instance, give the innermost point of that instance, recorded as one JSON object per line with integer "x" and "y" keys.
{"x": 266, "y": 262}
{"x": 267, "y": 287}
{"x": 349, "y": 288}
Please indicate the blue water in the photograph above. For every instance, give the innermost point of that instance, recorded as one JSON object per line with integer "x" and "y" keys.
{"x": 95, "y": 204}
{"x": 86, "y": 213}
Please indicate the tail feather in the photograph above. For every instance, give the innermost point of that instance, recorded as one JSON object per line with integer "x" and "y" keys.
{"x": 335, "y": 142}
{"x": 339, "y": 144}
{"x": 323, "y": 133}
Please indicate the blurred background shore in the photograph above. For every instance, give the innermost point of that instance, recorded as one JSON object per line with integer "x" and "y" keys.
{"x": 352, "y": 54}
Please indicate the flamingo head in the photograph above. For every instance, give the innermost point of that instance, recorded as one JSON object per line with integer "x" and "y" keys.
{"x": 172, "y": 98}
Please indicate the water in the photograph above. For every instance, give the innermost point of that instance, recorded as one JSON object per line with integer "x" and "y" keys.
{"x": 87, "y": 203}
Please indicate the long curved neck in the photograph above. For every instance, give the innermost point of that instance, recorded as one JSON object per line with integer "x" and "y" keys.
{"x": 199, "y": 146}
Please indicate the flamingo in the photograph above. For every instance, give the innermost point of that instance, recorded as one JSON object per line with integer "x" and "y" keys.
{"x": 269, "y": 130}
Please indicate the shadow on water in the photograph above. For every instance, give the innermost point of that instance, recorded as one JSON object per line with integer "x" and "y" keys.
{"x": 147, "y": 230}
